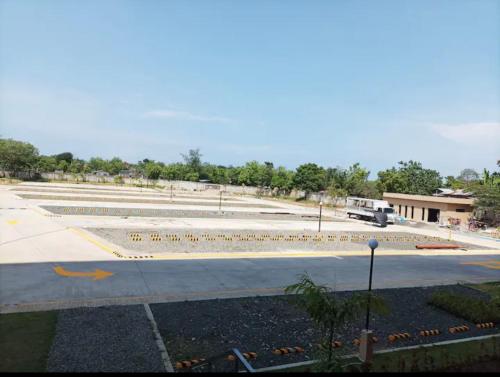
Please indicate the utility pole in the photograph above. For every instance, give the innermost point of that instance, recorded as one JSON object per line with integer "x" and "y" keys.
{"x": 320, "y": 210}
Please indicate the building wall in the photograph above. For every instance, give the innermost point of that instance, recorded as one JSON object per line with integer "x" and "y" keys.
{"x": 447, "y": 210}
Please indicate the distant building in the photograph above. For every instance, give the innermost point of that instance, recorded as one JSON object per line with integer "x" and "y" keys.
{"x": 101, "y": 173}
{"x": 127, "y": 173}
{"x": 435, "y": 208}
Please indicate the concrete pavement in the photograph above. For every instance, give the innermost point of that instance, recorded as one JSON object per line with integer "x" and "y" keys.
{"x": 33, "y": 243}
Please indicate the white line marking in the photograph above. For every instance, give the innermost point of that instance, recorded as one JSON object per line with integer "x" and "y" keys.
{"x": 159, "y": 340}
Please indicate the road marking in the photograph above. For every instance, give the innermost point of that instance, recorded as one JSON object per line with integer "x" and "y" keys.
{"x": 491, "y": 264}
{"x": 97, "y": 274}
{"x": 12, "y": 222}
{"x": 159, "y": 341}
{"x": 95, "y": 242}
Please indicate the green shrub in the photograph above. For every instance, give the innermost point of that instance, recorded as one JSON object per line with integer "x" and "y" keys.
{"x": 466, "y": 307}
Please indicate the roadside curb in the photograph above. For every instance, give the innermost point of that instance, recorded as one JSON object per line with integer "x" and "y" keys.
{"x": 159, "y": 341}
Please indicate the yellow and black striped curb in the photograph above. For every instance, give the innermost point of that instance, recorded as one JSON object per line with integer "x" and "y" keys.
{"x": 398, "y": 336}
{"x": 458, "y": 329}
{"x": 187, "y": 363}
{"x": 430, "y": 332}
{"x": 335, "y": 344}
{"x": 487, "y": 325}
{"x": 266, "y": 237}
{"x": 287, "y": 350}
{"x": 357, "y": 342}
{"x": 246, "y": 355}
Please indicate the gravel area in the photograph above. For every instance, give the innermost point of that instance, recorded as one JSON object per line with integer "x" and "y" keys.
{"x": 182, "y": 213}
{"x": 201, "y": 329}
{"x": 222, "y": 240}
{"x": 145, "y": 201}
{"x": 120, "y": 193}
{"x": 106, "y": 339}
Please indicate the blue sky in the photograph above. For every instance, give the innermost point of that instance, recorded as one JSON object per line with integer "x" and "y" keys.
{"x": 332, "y": 82}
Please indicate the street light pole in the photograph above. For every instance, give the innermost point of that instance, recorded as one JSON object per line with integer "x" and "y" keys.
{"x": 373, "y": 244}
{"x": 320, "y": 208}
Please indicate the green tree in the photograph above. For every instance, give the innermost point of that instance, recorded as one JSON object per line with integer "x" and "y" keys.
{"x": 153, "y": 170}
{"x": 17, "y": 156}
{"x": 409, "y": 178}
{"x": 47, "y": 164}
{"x": 357, "y": 184}
{"x": 251, "y": 174}
{"x": 193, "y": 160}
{"x": 468, "y": 175}
{"x": 331, "y": 313}
{"x": 233, "y": 174}
{"x": 266, "y": 173}
{"x": 97, "y": 163}
{"x": 63, "y": 165}
{"x": 175, "y": 172}
{"x": 453, "y": 183}
{"x": 282, "y": 180}
{"x": 487, "y": 194}
{"x": 310, "y": 178}
{"x": 76, "y": 166}
{"x": 115, "y": 165}
{"x": 65, "y": 156}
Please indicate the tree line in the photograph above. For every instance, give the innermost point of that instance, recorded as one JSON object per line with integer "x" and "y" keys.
{"x": 407, "y": 177}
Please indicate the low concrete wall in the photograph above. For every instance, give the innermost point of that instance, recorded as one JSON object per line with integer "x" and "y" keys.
{"x": 194, "y": 186}
{"x": 176, "y": 185}
{"x": 453, "y": 353}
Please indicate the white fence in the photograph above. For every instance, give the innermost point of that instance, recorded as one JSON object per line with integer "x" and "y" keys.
{"x": 193, "y": 186}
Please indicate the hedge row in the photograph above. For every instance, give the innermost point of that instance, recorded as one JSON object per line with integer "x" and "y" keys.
{"x": 472, "y": 309}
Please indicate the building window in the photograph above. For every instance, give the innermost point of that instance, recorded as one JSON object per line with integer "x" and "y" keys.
{"x": 460, "y": 210}
{"x": 412, "y": 209}
{"x": 400, "y": 209}
{"x": 423, "y": 214}
{"x": 406, "y": 211}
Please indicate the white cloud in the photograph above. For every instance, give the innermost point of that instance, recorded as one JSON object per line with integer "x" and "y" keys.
{"x": 184, "y": 115}
{"x": 485, "y": 133}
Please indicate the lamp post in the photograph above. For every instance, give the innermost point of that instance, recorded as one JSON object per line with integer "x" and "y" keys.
{"x": 320, "y": 210}
{"x": 373, "y": 244}
{"x": 220, "y": 199}
{"x": 366, "y": 344}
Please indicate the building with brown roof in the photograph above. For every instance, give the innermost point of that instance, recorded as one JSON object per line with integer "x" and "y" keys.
{"x": 426, "y": 208}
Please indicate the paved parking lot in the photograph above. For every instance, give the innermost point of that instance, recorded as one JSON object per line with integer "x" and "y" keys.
{"x": 53, "y": 260}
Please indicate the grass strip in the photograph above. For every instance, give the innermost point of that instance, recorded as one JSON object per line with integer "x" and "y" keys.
{"x": 472, "y": 309}
{"x": 25, "y": 341}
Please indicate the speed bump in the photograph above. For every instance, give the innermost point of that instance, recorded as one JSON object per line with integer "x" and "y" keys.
{"x": 429, "y": 332}
{"x": 399, "y": 336}
{"x": 184, "y": 364}
{"x": 487, "y": 325}
{"x": 458, "y": 329}
{"x": 287, "y": 350}
{"x": 246, "y": 355}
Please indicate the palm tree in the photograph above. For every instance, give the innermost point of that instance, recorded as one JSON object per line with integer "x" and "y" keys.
{"x": 329, "y": 313}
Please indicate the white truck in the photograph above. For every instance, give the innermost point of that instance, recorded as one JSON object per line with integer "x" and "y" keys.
{"x": 365, "y": 209}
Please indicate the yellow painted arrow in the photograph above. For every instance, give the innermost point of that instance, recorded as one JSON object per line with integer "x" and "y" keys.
{"x": 97, "y": 274}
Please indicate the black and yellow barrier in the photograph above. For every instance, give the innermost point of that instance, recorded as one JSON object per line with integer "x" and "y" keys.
{"x": 287, "y": 350}
{"x": 357, "y": 342}
{"x": 487, "y": 325}
{"x": 430, "y": 332}
{"x": 399, "y": 336}
{"x": 187, "y": 363}
{"x": 246, "y": 355}
{"x": 458, "y": 329}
